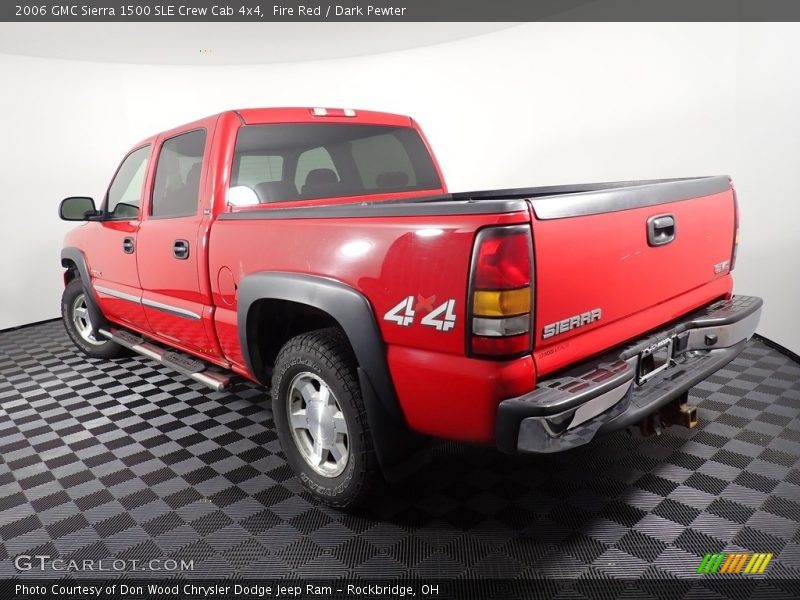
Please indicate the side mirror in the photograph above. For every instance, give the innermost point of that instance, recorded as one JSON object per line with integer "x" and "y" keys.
{"x": 77, "y": 208}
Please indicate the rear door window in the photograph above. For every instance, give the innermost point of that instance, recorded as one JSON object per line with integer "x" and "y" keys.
{"x": 176, "y": 189}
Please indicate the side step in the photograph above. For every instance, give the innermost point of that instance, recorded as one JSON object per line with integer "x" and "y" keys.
{"x": 181, "y": 363}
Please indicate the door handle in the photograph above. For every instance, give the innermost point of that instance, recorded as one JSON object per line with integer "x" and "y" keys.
{"x": 660, "y": 230}
{"x": 180, "y": 249}
{"x": 127, "y": 245}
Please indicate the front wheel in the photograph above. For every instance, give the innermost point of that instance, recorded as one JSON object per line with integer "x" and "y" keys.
{"x": 75, "y": 314}
{"x": 320, "y": 418}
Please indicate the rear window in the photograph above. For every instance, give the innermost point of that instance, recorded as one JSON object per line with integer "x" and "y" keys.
{"x": 255, "y": 168}
{"x": 274, "y": 163}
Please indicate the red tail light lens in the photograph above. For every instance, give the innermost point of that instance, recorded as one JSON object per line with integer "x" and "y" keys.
{"x": 501, "y": 293}
{"x": 501, "y": 346}
{"x": 503, "y": 261}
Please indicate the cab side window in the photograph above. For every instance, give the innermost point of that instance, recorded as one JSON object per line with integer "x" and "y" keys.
{"x": 125, "y": 192}
{"x": 176, "y": 188}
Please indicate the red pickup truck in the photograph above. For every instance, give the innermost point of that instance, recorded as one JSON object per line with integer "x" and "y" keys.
{"x": 318, "y": 252}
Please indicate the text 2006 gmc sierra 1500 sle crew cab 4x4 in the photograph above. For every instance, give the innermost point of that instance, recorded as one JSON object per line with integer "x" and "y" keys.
{"x": 317, "y": 251}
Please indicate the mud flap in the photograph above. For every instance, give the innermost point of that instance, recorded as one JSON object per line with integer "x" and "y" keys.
{"x": 400, "y": 451}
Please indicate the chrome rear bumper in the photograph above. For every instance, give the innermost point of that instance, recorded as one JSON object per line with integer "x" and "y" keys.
{"x": 614, "y": 391}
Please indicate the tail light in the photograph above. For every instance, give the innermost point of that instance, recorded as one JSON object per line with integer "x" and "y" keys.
{"x": 500, "y": 293}
{"x": 735, "y": 228}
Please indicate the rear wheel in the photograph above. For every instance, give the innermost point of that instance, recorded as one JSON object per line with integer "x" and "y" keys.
{"x": 320, "y": 418}
{"x": 75, "y": 314}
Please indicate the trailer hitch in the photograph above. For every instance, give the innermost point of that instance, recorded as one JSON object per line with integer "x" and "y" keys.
{"x": 677, "y": 412}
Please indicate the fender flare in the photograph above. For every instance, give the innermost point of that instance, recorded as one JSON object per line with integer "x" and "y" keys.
{"x": 393, "y": 441}
{"x": 96, "y": 316}
{"x": 347, "y": 306}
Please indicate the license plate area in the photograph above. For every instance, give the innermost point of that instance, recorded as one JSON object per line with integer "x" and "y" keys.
{"x": 654, "y": 359}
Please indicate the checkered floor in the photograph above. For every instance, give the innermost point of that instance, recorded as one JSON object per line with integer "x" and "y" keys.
{"x": 126, "y": 459}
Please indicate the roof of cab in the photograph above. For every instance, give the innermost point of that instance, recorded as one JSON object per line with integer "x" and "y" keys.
{"x": 264, "y": 116}
{"x": 253, "y": 116}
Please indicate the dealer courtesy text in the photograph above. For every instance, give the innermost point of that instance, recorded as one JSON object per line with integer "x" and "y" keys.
{"x": 213, "y": 591}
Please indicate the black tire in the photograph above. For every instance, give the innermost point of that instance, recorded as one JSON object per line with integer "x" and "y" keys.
{"x": 325, "y": 354}
{"x": 96, "y": 349}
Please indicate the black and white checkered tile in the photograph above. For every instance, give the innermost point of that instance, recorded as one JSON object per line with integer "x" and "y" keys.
{"x": 126, "y": 459}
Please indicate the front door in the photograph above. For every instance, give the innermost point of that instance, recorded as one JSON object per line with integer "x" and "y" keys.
{"x": 112, "y": 261}
{"x": 171, "y": 246}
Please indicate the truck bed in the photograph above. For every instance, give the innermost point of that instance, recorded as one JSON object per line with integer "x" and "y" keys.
{"x": 555, "y": 201}
{"x": 590, "y": 251}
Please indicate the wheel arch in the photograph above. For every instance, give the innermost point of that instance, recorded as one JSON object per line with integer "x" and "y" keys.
{"x": 333, "y": 303}
{"x": 74, "y": 261}
{"x": 326, "y": 302}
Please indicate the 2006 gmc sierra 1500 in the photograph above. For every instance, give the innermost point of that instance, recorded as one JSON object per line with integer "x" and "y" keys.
{"x": 317, "y": 251}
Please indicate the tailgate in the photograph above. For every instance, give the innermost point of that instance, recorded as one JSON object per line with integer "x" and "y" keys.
{"x": 613, "y": 264}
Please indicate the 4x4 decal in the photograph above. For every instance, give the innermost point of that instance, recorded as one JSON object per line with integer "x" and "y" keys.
{"x": 441, "y": 317}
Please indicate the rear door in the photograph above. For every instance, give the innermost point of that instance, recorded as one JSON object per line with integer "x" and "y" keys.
{"x": 171, "y": 248}
{"x": 629, "y": 266}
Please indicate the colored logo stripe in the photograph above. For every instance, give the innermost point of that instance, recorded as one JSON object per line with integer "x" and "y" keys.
{"x": 734, "y": 563}
{"x": 727, "y": 566}
{"x": 710, "y": 563}
{"x": 758, "y": 563}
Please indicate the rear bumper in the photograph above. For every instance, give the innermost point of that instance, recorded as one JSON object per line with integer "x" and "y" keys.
{"x": 608, "y": 393}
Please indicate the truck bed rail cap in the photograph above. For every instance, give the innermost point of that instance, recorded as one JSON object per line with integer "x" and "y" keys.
{"x": 616, "y": 199}
{"x": 380, "y": 209}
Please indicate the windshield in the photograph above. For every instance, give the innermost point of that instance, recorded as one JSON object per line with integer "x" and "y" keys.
{"x": 274, "y": 163}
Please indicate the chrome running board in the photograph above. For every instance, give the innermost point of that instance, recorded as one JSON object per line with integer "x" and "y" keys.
{"x": 186, "y": 365}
